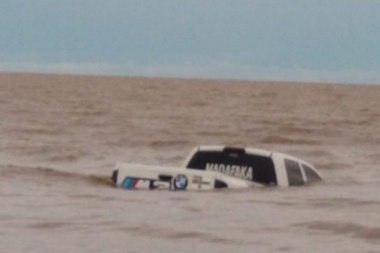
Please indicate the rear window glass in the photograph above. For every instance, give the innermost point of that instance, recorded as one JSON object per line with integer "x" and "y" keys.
{"x": 311, "y": 175}
{"x": 236, "y": 163}
{"x": 294, "y": 172}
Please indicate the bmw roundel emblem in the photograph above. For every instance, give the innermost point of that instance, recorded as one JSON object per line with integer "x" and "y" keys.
{"x": 180, "y": 182}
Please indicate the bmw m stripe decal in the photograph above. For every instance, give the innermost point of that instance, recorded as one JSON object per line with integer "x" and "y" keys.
{"x": 129, "y": 183}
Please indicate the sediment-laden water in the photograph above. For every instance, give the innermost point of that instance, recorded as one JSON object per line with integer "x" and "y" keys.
{"x": 60, "y": 137}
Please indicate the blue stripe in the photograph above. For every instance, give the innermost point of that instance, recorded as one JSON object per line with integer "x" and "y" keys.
{"x": 127, "y": 183}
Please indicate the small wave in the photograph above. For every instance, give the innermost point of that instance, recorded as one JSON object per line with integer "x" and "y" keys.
{"x": 36, "y": 131}
{"x": 274, "y": 139}
{"x": 320, "y": 153}
{"x": 333, "y": 166}
{"x": 66, "y": 156}
{"x": 48, "y": 153}
{"x": 296, "y": 130}
{"x": 168, "y": 143}
{"x": 214, "y": 133}
{"x": 344, "y": 202}
{"x": 52, "y": 176}
{"x": 356, "y": 122}
{"x": 174, "y": 234}
{"x": 357, "y": 231}
{"x": 50, "y": 225}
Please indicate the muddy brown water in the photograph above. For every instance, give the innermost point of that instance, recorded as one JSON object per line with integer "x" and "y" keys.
{"x": 61, "y": 136}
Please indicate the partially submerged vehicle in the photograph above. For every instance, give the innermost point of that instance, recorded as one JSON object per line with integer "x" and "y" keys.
{"x": 259, "y": 166}
{"x": 213, "y": 167}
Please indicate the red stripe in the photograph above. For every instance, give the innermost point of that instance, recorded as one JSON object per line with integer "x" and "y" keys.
{"x": 135, "y": 181}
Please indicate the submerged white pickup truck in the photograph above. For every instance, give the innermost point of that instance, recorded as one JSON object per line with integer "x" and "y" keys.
{"x": 259, "y": 166}
{"x": 212, "y": 167}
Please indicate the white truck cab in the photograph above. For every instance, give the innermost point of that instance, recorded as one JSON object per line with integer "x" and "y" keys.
{"x": 259, "y": 166}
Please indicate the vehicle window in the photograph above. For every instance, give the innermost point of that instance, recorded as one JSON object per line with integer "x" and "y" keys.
{"x": 311, "y": 175}
{"x": 236, "y": 163}
{"x": 294, "y": 172}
